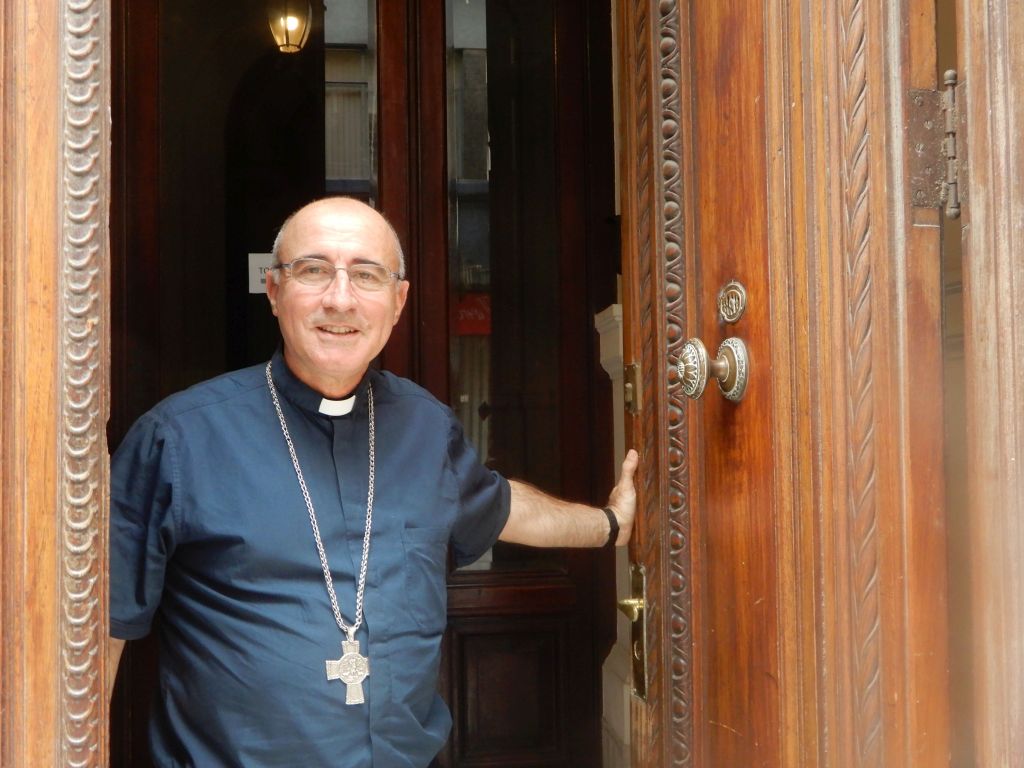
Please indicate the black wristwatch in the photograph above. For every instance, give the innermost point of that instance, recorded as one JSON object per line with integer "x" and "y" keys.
{"x": 613, "y": 527}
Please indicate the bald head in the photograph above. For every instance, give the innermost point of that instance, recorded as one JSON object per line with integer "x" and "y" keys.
{"x": 333, "y": 331}
{"x": 340, "y": 205}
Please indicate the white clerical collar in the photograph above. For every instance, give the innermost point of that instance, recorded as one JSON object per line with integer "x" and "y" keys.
{"x": 337, "y": 407}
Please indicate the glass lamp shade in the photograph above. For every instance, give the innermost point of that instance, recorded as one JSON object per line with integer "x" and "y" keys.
{"x": 289, "y": 23}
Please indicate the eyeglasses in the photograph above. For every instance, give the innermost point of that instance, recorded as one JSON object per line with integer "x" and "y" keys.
{"x": 319, "y": 273}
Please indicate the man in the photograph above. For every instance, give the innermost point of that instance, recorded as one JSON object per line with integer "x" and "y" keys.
{"x": 290, "y": 524}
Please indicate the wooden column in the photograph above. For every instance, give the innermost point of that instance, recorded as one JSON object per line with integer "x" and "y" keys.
{"x": 991, "y": 52}
{"x": 53, "y": 389}
{"x": 883, "y": 670}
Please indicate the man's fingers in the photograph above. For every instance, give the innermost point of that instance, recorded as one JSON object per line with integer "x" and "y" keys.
{"x": 623, "y": 496}
{"x": 629, "y": 465}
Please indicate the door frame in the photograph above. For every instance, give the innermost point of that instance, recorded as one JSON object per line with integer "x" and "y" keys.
{"x": 54, "y": 203}
{"x": 992, "y": 66}
{"x": 54, "y": 403}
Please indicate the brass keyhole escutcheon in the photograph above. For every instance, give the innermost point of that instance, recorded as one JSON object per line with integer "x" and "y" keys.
{"x": 732, "y": 301}
{"x": 729, "y": 367}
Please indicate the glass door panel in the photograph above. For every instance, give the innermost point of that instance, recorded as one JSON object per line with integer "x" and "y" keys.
{"x": 350, "y": 98}
{"x": 503, "y": 238}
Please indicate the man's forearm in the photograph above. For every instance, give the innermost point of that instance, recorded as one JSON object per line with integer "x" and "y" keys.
{"x": 541, "y": 520}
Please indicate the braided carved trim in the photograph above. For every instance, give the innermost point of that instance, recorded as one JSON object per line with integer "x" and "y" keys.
{"x": 84, "y": 361}
{"x": 863, "y": 520}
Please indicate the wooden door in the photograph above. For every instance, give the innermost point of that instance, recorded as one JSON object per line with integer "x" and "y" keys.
{"x": 795, "y": 541}
{"x": 735, "y": 556}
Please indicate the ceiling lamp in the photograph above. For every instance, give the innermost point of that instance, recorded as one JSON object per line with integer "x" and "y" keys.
{"x": 289, "y": 23}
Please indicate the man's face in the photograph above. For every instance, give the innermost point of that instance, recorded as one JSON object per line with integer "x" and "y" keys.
{"x": 331, "y": 335}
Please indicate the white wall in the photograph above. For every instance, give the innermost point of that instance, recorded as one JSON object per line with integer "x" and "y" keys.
{"x": 616, "y": 674}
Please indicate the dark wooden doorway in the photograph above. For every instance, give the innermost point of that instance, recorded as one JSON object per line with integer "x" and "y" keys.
{"x": 201, "y": 118}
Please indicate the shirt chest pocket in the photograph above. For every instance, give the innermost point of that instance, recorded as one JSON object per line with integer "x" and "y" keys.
{"x": 426, "y": 567}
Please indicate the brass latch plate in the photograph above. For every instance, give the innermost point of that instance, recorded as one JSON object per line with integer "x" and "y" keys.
{"x": 634, "y": 607}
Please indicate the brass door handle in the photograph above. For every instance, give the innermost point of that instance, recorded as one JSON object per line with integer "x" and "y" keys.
{"x": 730, "y": 367}
{"x": 632, "y": 606}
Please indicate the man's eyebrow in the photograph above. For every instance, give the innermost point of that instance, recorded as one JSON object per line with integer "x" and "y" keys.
{"x": 355, "y": 260}
{"x": 366, "y": 260}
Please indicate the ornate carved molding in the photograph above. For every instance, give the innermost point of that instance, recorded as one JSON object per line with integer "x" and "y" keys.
{"x": 84, "y": 358}
{"x": 679, "y": 562}
{"x": 641, "y": 241}
{"x": 862, "y": 501}
{"x": 652, "y": 80}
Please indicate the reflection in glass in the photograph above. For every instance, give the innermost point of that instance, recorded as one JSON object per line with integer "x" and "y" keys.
{"x": 468, "y": 223}
{"x": 350, "y": 98}
{"x": 503, "y": 347}
{"x": 469, "y": 219}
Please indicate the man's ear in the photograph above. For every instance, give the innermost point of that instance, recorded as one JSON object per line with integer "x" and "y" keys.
{"x": 272, "y": 288}
{"x": 402, "y": 293}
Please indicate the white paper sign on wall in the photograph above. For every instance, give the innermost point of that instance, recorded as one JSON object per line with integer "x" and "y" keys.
{"x": 259, "y": 265}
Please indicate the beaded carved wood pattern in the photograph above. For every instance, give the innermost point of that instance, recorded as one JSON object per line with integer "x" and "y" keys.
{"x": 679, "y": 562}
{"x": 654, "y": 76}
{"x": 643, "y": 239}
{"x": 84, "y": 332}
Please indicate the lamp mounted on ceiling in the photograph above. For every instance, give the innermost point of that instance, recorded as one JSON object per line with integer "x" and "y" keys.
{"x": 289, "y": 23}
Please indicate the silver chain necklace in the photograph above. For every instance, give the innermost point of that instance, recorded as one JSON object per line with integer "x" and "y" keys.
{"x": 352, "y": 668}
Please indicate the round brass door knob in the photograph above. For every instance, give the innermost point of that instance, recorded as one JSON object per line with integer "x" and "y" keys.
{"x": 729, "y": 368}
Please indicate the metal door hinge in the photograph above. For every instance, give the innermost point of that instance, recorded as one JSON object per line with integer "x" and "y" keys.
{"x": 935, "y": 141}
{"x": 950, "y": 146}
{"x": 633, "y": 391}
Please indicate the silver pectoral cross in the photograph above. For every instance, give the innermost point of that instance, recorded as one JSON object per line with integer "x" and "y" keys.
{"x": 352, "y": 668}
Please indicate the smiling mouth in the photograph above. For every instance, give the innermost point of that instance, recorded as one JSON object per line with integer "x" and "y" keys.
{"x": 336, "y": 330}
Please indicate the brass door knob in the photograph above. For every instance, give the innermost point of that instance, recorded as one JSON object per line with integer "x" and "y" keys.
{"x": 729, "y": 368}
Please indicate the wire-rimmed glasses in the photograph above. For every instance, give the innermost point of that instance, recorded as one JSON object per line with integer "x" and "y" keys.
{"x": 319, "y": 273}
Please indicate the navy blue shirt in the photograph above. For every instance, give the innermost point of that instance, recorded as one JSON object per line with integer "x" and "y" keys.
{"x": 209, "y": 531}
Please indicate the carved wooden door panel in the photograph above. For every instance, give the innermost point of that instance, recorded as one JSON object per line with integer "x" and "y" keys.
{"x": 793, "y": 540}
{"x": 725, "y": 448}
{"x": 735, "y": 557}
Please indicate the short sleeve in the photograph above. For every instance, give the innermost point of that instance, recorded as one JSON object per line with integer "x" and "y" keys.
{"x": 484, "y": 500}
{"x": 142, "y": 530}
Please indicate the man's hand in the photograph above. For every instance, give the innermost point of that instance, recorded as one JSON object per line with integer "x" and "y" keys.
{"x": 622, "y": 500}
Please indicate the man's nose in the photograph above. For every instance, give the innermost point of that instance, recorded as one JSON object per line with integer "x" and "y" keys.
{"x": 338, "y": 294}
